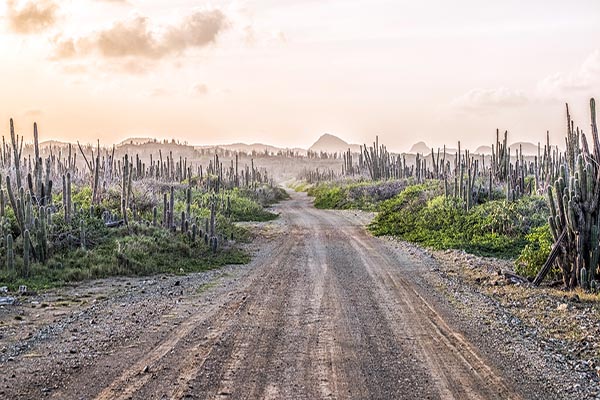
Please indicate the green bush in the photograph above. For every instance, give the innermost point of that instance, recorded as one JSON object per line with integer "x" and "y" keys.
{"x": 367, "y": 195}
{"x": 536, "y": 252}
{"x": 328, "y": 197}
{"x": 139, "y": 248}
{"x": 495, "y": 228}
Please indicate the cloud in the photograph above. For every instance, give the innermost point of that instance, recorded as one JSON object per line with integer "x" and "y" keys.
{"x": 199, "y": 89}
{"x": 135, "y": 39}
{"x": 158, "y": 92}
{"x": 487, "y": 99}
{"x": 130, "y": 38}
{"x": 63, "y": 48}
{"x": 584, "y": 79}
{"x": 74, "y": 69}
{"x": 581, "y": 81}
{"x": 33, "y": 113}
{"x": 31, "y": 16}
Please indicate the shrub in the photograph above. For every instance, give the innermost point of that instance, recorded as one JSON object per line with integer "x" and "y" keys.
{"x": 355, "y": 195}
{"x": 495, "y": 228}
{"x": 536, "y": 252}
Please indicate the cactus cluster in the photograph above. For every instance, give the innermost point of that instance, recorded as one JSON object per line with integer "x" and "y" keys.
{"x": 575, "y": 207}
{"x": 34, "y": 225}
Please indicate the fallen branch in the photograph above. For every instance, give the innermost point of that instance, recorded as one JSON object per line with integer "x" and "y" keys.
{"x": 512, "y": 276}
{"x": 551, "y": 258}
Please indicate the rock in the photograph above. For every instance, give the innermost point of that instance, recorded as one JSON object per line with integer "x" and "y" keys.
{"x": 7, "y": 301}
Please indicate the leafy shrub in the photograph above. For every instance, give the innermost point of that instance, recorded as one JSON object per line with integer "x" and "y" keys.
{"x": 355, "y": 195}
{"x": 495, "y": 228}
{"x": 536, "y": 252}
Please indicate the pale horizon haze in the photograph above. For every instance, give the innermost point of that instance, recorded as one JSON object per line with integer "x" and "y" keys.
{"x": 283, "y": 72}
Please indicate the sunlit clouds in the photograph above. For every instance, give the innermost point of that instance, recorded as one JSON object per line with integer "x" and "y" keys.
{"x": 135, "y": 38}
{"x": 28, "y": 17}
{"x": 285, "y": 72}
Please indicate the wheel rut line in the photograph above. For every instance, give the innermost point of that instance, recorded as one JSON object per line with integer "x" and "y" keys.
{"x": 453, "y": 340}
{"x": 133, "y": 379}
{"x": 241, "y": 360}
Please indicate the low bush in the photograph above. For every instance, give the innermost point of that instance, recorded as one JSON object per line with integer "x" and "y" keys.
{"x": 355, "y": 195}
{"x": 535, "y": 253}
{"x": 495, "y": 228}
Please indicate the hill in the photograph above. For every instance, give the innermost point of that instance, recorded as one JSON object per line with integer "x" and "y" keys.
{"x": 528, "y": 148}
{"x": 332, "y": 144}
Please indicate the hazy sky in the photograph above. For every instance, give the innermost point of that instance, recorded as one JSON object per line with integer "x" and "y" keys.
{"x": 286, "y": 71}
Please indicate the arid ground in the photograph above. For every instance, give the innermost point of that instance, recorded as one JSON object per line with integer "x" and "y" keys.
{"x": 324, "y": 310}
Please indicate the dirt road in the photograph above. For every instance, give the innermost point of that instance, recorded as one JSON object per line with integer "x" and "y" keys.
{"x": 324, "y": 311}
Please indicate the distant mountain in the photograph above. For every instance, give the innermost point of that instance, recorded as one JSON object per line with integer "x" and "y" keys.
{"x": 136, "y": 141}
{"x": 249, "y": 148}
{"x": 53, "y": 143}
{"x": 422, "y": 148}
{"x": 332, "y": 144}
{"x": 528, "y": 148}
{"x": 483, "y": 150}
{"x": 419, "y": 147}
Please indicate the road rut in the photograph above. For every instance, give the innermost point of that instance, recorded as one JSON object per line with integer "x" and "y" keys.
{"x": 330, "y": 312}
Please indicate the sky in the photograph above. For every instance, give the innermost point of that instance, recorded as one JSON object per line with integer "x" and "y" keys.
{"x": 284, "y": 72}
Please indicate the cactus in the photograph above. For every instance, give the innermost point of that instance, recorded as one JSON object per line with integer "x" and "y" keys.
{"x": 214, "y": 243}
{"x": 26, "y": 251}
{"x": 42, "y": 234}
{"x": 583, "y": 279}
{"x": 17, "y": 149}
{"x": 575, "y": 207}
{"x": 194, "y": 232}
{"x": 125, "y": 187}
{"x": 67, "y": 204}
{"x": 165, "y": 210}
{"x": 82, "y": 234}
{"x": 188, "y": 201}
{"x": 10, "y": 253}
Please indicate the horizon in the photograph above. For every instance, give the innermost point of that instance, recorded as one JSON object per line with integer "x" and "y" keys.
{"x": 148, "y": 140}
{"x": 272, "y": 73}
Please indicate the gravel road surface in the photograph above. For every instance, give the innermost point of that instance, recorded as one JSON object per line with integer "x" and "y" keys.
{"x": 324, "y": 310}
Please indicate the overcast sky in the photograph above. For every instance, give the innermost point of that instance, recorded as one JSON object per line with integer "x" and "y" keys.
{"x": 286, "y": 71}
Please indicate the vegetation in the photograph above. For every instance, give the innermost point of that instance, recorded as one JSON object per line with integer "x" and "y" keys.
{"x": 126, "y": 216}
{"x": 364, "y": 195}
{"x": 486, "y": 204}
{"x": 494, "y": 228}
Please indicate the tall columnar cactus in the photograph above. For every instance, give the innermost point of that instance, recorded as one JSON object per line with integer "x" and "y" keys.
{"x": 67, "y": 203}
{"x": 26, "y": 251}
{"x": 14, "y": 203}
{"x": 165, "y": 220}
{"x": 10, "y": 253}
{"x": 17, "y": 149}
{"x": 2, "y": 199}
{"x": 125, "y": 187}
{"x": 575, "y": 207}
{"x": 82, "y": 234}
{"x": 42, "y": 234}
{"x": 188, "y": 201}
{"x": 171, "y": 208}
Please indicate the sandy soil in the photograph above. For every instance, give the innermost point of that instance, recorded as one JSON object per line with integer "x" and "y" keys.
{"x": 324, "y": 310}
